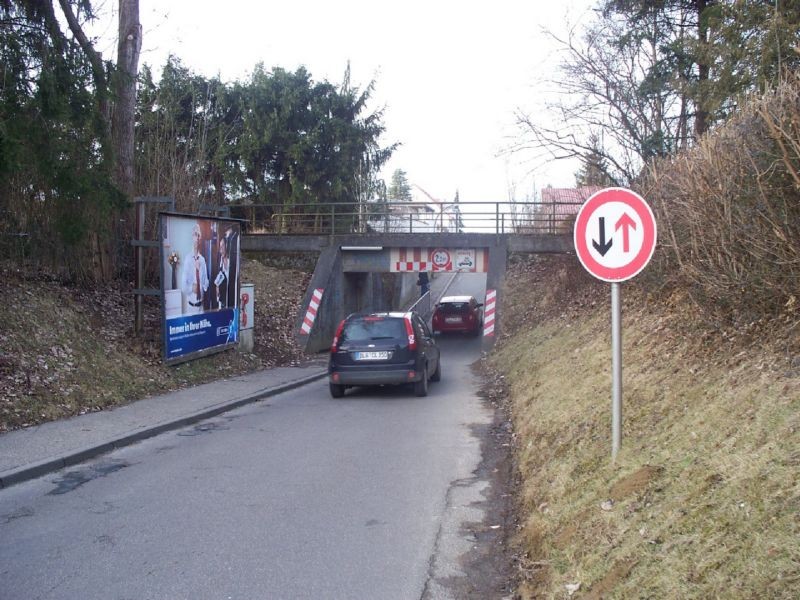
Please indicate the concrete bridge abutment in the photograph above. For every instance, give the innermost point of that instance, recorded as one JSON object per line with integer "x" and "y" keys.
{"x": 350, "y": 269}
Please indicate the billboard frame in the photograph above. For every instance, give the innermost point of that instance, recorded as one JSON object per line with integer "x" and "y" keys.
{"x": 206, "y": 326}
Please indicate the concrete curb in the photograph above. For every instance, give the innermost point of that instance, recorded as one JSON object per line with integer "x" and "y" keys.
{"x": 71, "y": 458}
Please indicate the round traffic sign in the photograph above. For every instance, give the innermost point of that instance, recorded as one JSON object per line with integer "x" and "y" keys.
{"x": 441, "y": 259}
{"x": 615, "y": 234}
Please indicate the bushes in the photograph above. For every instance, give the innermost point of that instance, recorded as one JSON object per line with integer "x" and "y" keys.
{"x": 728, "y": 212}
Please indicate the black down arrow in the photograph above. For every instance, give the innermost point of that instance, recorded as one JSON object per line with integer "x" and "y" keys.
{"x": 602, "y": 247}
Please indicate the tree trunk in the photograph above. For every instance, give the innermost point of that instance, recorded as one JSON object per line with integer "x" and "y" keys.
{"x": 118, "y": 120}
{"x": 703, "y": 70}
{"x": 129, "y": 46}
{"x": 122, "y": 126}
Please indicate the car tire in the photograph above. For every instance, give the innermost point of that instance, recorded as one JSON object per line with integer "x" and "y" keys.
{"x": 421, "y": 386}
{"x": 437, "y": 374}
{"x": 337, "y": 390}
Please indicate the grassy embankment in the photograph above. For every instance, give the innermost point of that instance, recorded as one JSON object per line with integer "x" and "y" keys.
{"x": 67, "y": 350}
{"x": 703, "y": 500}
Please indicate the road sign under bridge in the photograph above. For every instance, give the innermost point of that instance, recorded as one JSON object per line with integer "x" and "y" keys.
{"x": 465, "y": 260}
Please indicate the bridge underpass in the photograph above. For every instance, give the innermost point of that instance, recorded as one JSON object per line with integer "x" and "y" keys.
{"x": 352, "y": 269}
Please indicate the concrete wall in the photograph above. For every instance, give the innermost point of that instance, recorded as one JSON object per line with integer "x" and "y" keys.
{"x": 515, "y": 243}
{"x": 345, "y": 293}
{"x": 498, "y": 260}
{"x": 350, "y": 288}
{"x": 327, "y": 275}
{"x": 408, "y": 290}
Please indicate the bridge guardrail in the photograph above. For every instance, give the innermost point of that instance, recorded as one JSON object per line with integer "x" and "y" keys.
{"x": 408, "y": 217}
{"x": 423, "y": 307}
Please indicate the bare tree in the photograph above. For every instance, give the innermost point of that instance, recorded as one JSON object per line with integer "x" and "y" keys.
{"x": 607, "y": 91}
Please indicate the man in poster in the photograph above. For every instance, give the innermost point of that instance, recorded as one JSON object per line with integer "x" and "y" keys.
{"x": 206, "y": 319}
{"x": 194, "y": 276}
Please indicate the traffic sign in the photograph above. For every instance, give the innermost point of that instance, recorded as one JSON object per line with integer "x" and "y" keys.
{"x": 441, "y": 260}
{"x": 615, "y": 234}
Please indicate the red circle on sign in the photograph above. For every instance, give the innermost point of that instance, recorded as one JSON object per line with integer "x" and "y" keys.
{"x": 440, "y": 259}
{"x": 642, "y": 257}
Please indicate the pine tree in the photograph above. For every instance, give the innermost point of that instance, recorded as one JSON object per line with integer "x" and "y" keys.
{"x": 399, "y": 188}
{"x": 594, "y": 167}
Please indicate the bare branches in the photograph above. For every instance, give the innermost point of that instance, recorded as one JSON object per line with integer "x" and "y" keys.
{"x": 604, "y": 94}
{"x": 731, "y": 211}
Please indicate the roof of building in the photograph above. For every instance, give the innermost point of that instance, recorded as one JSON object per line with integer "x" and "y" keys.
{"x": 566, "y": 201}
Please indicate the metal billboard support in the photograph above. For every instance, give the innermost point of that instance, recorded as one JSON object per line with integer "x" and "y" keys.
{"x": 139, "y": 244}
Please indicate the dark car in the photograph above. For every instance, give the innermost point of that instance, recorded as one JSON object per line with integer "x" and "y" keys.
{"x": 383, "y": 348}
{"x": 461, "y": 314}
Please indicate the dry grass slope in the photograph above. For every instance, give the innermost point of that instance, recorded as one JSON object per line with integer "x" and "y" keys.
{"x": 67, "y": 350}
{"x": 704, "y": 500}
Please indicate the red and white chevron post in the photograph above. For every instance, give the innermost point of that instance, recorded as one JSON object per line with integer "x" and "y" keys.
{"x": 311, "y": 313}
{"x": 488, "y": 313}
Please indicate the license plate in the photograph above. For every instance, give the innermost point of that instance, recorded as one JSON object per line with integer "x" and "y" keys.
{"x": 372, "y": 355}
{"x": 453, "y": 320}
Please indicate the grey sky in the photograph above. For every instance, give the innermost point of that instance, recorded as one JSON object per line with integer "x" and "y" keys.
{"x": 450, "y": 74}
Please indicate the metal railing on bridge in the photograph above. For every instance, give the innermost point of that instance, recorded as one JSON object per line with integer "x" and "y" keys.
{"x": 408, "y": 217}
{"x": 424, "y": 306}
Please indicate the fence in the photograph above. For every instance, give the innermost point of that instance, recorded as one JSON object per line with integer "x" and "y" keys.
{"x": 423, "y": 307}
{"x": 409, "y": 217}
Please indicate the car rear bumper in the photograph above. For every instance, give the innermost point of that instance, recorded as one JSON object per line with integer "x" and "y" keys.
{"x": 371, "y": 376}
{"x": 459, "y": 328}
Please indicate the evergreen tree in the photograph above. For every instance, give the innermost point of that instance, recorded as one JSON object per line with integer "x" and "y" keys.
{"x": 594, "y": 167}
{"x": 399, "y": 188}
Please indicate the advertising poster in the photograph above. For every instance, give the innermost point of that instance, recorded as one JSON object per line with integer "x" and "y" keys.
{"x": 200, "y": 285}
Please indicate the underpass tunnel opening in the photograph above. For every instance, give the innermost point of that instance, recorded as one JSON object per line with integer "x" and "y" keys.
{"x": 368, "y": 292}
{"x": 362, "y": 279}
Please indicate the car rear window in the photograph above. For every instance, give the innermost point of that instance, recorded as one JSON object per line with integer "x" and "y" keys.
{"x": 454, "y": 307}
{"x": 373, "y": 328}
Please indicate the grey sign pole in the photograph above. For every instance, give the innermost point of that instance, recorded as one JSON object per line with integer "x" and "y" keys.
{"x": 616, "y": 368}
{"x": 615, "y": 258}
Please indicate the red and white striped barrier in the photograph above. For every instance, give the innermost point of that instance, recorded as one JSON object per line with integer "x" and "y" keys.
{"x": 311, "y": 313}
{"x": 488, "y": 313}
{"x": 465, "y": 260}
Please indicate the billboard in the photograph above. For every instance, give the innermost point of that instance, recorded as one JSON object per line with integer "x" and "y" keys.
{"x": 200, "y": 285}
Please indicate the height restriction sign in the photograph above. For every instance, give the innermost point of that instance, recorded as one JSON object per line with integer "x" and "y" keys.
{"x": 615, "y": 234}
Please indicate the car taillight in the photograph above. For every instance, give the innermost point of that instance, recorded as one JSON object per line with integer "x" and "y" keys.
{"x": 335, "y": 344}
{"x": 412, "y": 341}
{"x": 436, "y": 317}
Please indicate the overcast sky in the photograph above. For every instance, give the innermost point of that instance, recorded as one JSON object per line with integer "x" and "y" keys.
{"x": 450, "y": 73}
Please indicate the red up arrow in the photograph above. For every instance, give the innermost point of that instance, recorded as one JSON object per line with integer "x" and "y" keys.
{"x": 625, "y": 222}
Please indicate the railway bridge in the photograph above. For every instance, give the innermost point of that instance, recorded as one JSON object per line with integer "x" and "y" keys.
{"x": 357, "y": 245}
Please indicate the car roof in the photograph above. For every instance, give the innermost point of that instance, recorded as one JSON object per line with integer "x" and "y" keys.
{"x": 395, "y": 315}
{"x": 456, "y": 299}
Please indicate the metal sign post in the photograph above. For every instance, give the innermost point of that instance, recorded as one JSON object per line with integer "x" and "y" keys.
{"x": 615, "y": 237}
{"x": 616, "y": 370}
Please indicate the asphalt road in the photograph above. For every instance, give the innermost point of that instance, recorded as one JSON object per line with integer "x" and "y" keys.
{"x": 298, "y": 496}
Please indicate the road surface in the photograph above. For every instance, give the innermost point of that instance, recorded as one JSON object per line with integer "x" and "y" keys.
{"x": 298, "y": 496}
